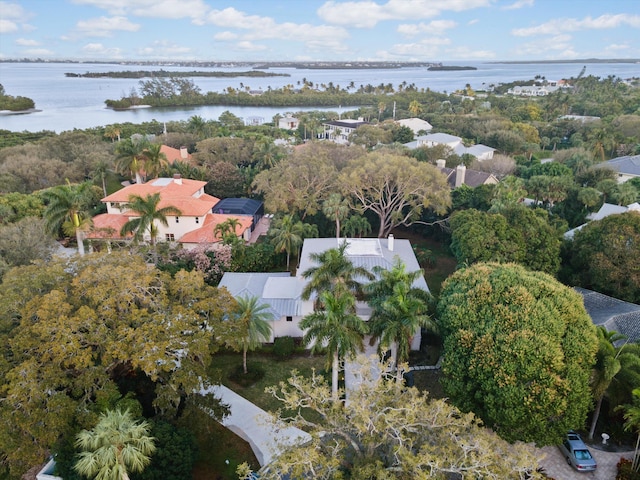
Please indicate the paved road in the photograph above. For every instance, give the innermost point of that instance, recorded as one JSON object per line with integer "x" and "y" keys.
{"x": 556, "y": 466}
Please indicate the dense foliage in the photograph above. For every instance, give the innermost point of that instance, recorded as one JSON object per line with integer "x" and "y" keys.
{"x": 76, "y": 332}
{"x": 603, "y": 256}
{"x": 14, "y": 104}
{"x": 518, "y": 351}
{"x": 518, "y": 234}
{"x": 386, "y": 430}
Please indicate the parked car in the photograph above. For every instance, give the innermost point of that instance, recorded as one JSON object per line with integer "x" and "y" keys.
{"x": 577, "y": 454}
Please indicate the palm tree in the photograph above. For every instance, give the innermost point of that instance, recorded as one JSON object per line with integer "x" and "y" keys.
{"x": 287, "y": 235}
{"x": 147, "y": 214}
{"x": 334, "y": 271}
{"x": 227, "y": 227}
{"x": 68, "y": 209}
{"x": 398, "y": 309}
{"x": 415, "y": 108}
{"x": 632, "y": 423}
{"x": 112, "y": 132}
{"x": 356, "y": 226}
{"x": 116, "y": 445}
{"x": 154, "y": 159}
{"x": 336, "y": 208}
{"x": 253, "y": 320}
{"x": 616, "y": 372}
{"x": 130, "y": 157}
{"x": 336, "y": 328}
{"x": 100, "y": 171}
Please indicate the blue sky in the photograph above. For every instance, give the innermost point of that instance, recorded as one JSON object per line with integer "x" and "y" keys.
{"x": 404, "y": 30}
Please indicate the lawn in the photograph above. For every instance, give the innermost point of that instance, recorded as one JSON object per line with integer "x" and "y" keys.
{"x": 276, "y": 371}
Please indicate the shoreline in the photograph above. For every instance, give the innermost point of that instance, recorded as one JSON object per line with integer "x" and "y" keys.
{"x": 19, "y": 112}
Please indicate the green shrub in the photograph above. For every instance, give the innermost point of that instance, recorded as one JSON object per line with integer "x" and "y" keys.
{"x": 625, "y": 472}
{"x": 283, "y": 347}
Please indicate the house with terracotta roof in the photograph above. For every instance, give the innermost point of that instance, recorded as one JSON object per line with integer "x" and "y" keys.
{"x": 195, "y": 224}
{"x": 176, "y": 155}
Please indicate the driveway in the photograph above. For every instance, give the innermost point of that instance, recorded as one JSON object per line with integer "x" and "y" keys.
{"x": 556, "y": 466}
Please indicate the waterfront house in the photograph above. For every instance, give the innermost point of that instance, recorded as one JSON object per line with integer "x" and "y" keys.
{"x": 338, "y": 131}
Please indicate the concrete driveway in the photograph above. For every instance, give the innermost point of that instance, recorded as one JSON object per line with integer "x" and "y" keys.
{"x": 556, "y": 466}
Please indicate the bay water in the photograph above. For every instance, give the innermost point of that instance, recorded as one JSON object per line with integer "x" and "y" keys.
{"x": 67, "y": 103}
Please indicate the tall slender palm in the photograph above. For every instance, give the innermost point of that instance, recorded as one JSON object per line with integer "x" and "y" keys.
{"x": 336, "y": 328}
{"x": 154, "y": 159}
{"x": 148, "y": 214}
{"x": 100, "y": 172}
{"x": 116, "y": 445}
{"x": 415, "y": 108}
{"x": 334, "y": 270}
{"x": 336, "y": 208}
{"x": 616, "y": 371}
{"x": 130, "y": 158}
{"x": 632, "y": 423}
{"x": 398, "y": 309}
{"x": 68, "y": 209}
{"x": 287, "y": 235}
{"x": 253, "y": 320}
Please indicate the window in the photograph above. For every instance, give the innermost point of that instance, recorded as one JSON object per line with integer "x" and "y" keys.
{"x": 177, "y": 219}
{"x": 169, "y": 237}
{"x": 197, "y": 219}
{"x": 289, "y": 319}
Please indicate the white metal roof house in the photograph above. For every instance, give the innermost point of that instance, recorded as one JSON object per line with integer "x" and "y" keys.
{"x": 338, "y": 131}
{"x": 283, "y": 293}
{"x": 605, "y": 210}
{"x": 416, "y": 124}
{"x": 479, "y": 151}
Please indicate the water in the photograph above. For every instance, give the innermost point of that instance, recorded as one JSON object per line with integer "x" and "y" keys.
{"x": 69, "y": 103}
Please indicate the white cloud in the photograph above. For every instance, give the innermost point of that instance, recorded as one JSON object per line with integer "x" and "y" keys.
{"x": 519, "y": 4}
{"x": 473, "y": 22}
{"x": 366, "y": 14}
{"x": 556, "y": 46}
{"x": 616, "y": 47}
{"x": 194, "y": 9}
{"x": 164, "y": 49}
{"x": 38, "y": 52}
{"x": 225, "y": 36}
{"x": 7, "y": 26}
{"x": 105, "y": 26}
{"x": 574, "y": 25}
{"x": 427, "y": 48}
{"x": 265, "y": 28}
{"x": 13, "y": 16}
{"x": 25, "y": 42}
{"x": 465, "y": 53}
{"x": 249, "y": 46}
{"x": 435, "y": 27}
{"x": 98, "y": 50}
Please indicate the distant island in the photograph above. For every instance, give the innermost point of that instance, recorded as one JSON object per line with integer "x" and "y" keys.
{"x": 10, "y": 105}
{"x": 167, "y": 74}
{"x": 577, "y": 60}
{"x": 446, "y": 68}
{"x": 340, "y": 65}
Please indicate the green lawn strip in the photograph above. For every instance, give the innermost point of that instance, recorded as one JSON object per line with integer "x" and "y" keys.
{"x": 216, "y": 447}
{"x": 276, "y": 371}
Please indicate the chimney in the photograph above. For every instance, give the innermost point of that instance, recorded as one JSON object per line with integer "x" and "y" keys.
{"x": 184, "y": 154}
{"x": 390, "y": 242}
{"x": 461, "y": 170}
{"x": 177, "y": 179}
{"x": 441, "y": 163}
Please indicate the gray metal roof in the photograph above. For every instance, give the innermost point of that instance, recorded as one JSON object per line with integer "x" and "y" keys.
{"x": 613, "y": 314}
{"x": 629, "y": 164}
{"x": 254, "y": 284}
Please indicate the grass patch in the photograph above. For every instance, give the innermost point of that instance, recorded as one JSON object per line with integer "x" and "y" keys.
{"x": 217, "y": 446}
{"x": 275, "y": 371}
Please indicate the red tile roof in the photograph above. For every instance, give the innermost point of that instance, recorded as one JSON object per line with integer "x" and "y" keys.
{"x": 107, "y": 225}
{"x": 205, "y": 233}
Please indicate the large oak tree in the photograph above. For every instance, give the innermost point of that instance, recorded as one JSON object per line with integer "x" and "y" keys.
{"x": 394, "y": 187}
{"x": 73, "y": 330}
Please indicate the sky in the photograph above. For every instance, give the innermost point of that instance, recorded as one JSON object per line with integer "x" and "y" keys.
{"x": 306, "y": 30}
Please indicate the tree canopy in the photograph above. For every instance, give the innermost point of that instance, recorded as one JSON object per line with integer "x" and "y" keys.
{"x": 386, "y": 430}
{"x": 394, "y": 187}
{"x": 604, "y": 256}
{"x": 74, "y": 329}
{"x": 518, "y": 351}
